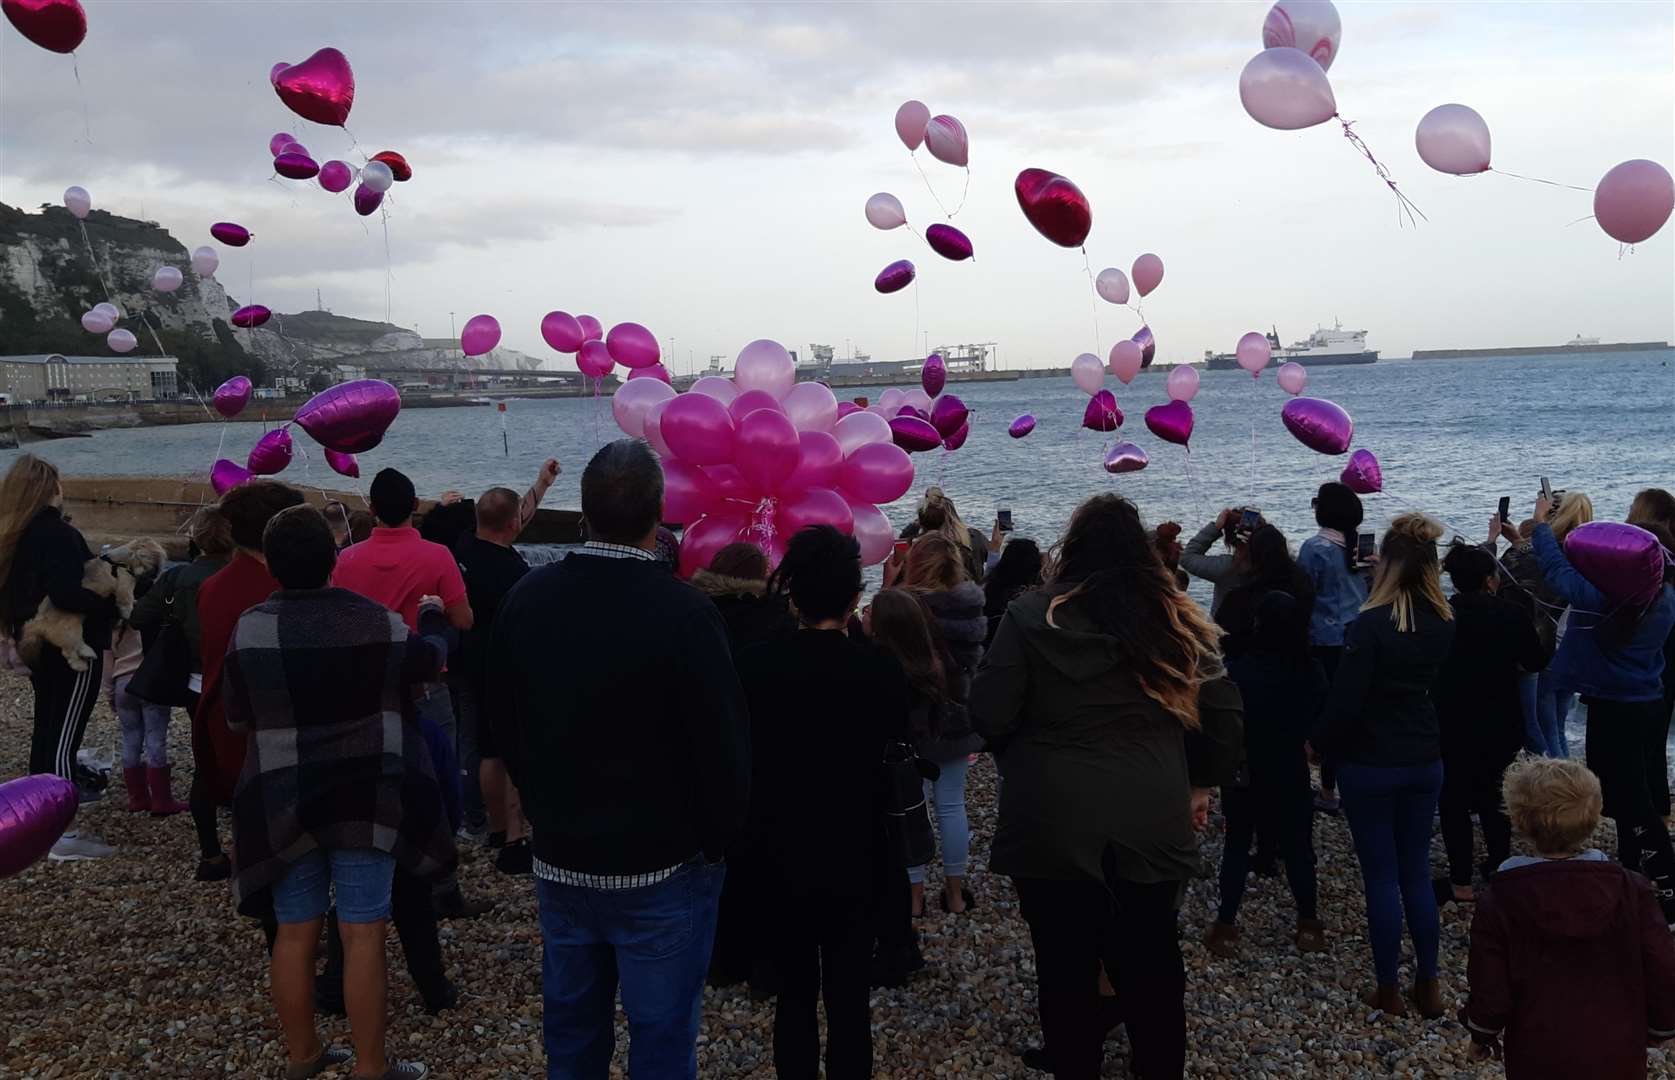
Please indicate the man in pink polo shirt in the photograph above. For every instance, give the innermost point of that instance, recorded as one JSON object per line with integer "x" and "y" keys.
{"x": 394, "y": 566}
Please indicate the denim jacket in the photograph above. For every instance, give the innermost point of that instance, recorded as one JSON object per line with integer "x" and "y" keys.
{"x": 1624, "y": 665}
{"x": 1339, "y": 591}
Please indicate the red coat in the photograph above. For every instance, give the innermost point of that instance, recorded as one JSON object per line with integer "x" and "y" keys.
{"x": 1573, "y": 962}
{"x": 229, "y": 593}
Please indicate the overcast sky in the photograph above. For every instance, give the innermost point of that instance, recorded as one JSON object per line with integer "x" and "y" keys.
{"x": 701, "y": 168}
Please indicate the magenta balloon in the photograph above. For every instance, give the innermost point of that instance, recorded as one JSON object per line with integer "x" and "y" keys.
{"x": 1171, "y": 422}
{"x": 293, "y": 148}
{"x": 948, "y": 415}
{"x": 1453, "y": 139}
{"x": 350, "y": 417}
{"x": 1318, "y": 424}
{"x": 1284, "y": 88}
{"x": 934, "y": 375}
{"x": 859, "y": 429}
{"x": 226, "y": 475}
{"x": 872, "y": 531}
{"x": 731, "y": 485}
{"x": 688, "y": 494}
{"x": 913, "y": 410}
{"x": 765, "y": 365}
{"x": 948, "y": 242}
{"x": 321, "y": 88}
{"x": 632, "y": 345}
{"x": 913, "y": 434}
{"x": 656, "y": 371}
{"x": 1055, "y": 206}
{"x": 811, "y": 406}
{"x": 945, "y": 138}
{"x": 1148, "y": 345}
{"x": 819, "y": 461}
{"x": 877, "y": 473}
{"x": 911, "y": 119}
{"x": 1633, "y": 200}
{"x": 1182, "y": 383}
{"x": 704, "y": 538}
{"x": 279, "y": 142}
{"x": 1311, "y": 26}
{"x": 633, "y": 399}
{"x": 34, "y": 812}
{"x": 1022, "y": 426}
{"x": 336, "y": 176}
{"x": 1147, "y": 273}
{"x": 766, "y": 448}
{"x": 592, "y": 329}
{"x": 652, "y": 428}
{"x": 1102, "y": 413}
{"x": 1125, "y": 457}
{"x": 1362, "y": 475}
{"x": 344, "y": 464}
{"x": 716, "y": 387}
{"x": 957, "y": 439}
{"x": 562, "y": 332}
{"x": 1126, "y": 361}
{"x": 895, "y": 277}
{"x": 367, "y": 201}
{"x": 296, "y": 166}
{"x": 847, "y": 407}
{"x": 696, "y": 426}
{"x": 481, "y": 334}
{"x": 814, "y": 506}
{"x": 751, "y": 400}
{"x": 251, "y": 316}
{"x": 1293, "y": 377}
{"x": 594, "y": 359}
{"x": 230, "y": 234}
{"x": 1253, "y": 353}
{"x": 232, "y": 396}
{"x": 271, "y": 453}
{"x": 1625, "y": 562}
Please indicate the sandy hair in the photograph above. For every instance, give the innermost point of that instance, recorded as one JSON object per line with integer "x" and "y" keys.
{"x": 1554, "y": 802}
{"x": 1408, "y": 571}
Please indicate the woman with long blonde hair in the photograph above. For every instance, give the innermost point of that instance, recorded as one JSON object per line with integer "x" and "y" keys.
{"x": 1552, "y": 702}
{"x": 1382, "y": 729}
{"x": 42, "y": 557}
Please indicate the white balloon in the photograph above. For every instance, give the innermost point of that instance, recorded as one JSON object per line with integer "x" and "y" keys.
{"x": 78, "y": 201}
{"x": 96, "y": 322}
{"x": 1088, "y": 372}
{"x": 1112, "y": 285}
{"x": 121, "y": 341}
{"x": 205, "y": 261}
{"x": 112, "y": 312}
{"x": 884, "y": 211}
{"x": 1453, "y": 139}
{"x": 377, "y": 176}
{"x": 1283, "y": 88}
{"x": 166, "y": 280}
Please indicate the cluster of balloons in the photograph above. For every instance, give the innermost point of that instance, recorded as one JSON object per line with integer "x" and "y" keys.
{"x": 55, "y": 25}
{"x": 1285, "y": 86}
{"x": 347, "y": 419}
{"x": 921, "y": 419}
{"x": 945, "y": 138}
{"x": 1102, "y": 414}
{"x": 759, "y": 456}
{"x": 597, "y": 353}
{"x": 382, "y": 171}
{"x": 100, "y": 318}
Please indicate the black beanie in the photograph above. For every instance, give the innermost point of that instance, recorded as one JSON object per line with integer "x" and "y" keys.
{"x": 393, "y": 498}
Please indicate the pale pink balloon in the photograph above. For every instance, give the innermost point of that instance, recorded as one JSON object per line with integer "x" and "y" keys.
{"x": 911, "y": 119}
{"x": 652, "y": 430}
{"x": 811, "y": 406}
{"x": 1183, "y": 383}
{"x": 1148, "y": 273}
{"x": 765, "y": 365}
{"x": 890, "y": 400}
{"x": 716, "y": 387}
{"x": 655, "y": 371}
{"x": 633, "y": 399}
{"x": 861, "y": 429}
{"x": 877, "y": 473}
{"x": 166, "y": 279}
{"x": 122, "y": 341}
{"x": 1311, "y": 26}
{"x": 205, "y": 261}
{"x": 752, "y": 400}
{"x": 1253, "y": 353}
{"x": 77, "y": 201}
{"x": 1088, "y": 373}
{"x": 97, "y": 322}
{"x": 1284, "y": 88}
{"x": 917, "y": 398}
{"x": 481, "y": 335}
{"x": 945, "y": 138}
{"x": 1126, "y": 360}
{"x": 594, "y": 359}
{"x": 1112, "y": 285}
{"x": 1293, "y": 377}
{"x": 884, "y": 211}
{"x": 872, "y": 531}
{"x": 1453, "y": 139}
{"x": 1633, "y": 200}
{"x": 696, "y": 426}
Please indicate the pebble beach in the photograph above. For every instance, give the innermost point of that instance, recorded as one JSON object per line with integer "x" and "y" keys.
{"x": 127, "y": 967}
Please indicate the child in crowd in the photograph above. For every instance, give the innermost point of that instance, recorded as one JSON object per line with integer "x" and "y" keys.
{"x": 1567, "y": 941}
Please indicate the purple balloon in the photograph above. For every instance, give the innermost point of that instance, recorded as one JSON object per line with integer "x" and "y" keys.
{"x": 1171, "y": 422}
{"x": 934, "y": 375}
{"x": 958, "y": 438}
{"x": 232, "y": 396}
{"x": 481, "y": 335}
{"x": 271, "y": 453}
{"x": 895, "y": 277}
{"x": 279, "y": 142}
{"x": 230, "y": 234}
{"x": 1102, "y": 413}
{"x": 1362, "y": 475}
{"x": 1318, "y": 424}
{"x": 34, "y": 812}
{"x": 336, "y": 176}
{"x": 1148, "y": 345}
{"x": 344, "y": 464}
{"x": 914, "y": 410}
{"x": 251, "y": 316}
{"x": 296, "y": 166}
{"x": 913, "y": 434}
{"x": 948, "y": 242}
{"x": 699, "y": 429}
{"x": 367, "y": 201}
{"x": 350, "y": 417}
{"x": 226, "y": 475}
{"x": 847, "y": 407}
{"x": 632, "y": 345}
{"x": 1625, "y": 562}
{"x": 948, "y": 415}
{"x": 1125, "y": 457}
{"x": 877, "y": 473}
{"x": 562, "y": 332}
{"x": 592, "y": 329}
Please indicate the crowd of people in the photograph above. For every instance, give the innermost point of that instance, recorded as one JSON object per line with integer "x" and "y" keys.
{"x": 697, "y": 803}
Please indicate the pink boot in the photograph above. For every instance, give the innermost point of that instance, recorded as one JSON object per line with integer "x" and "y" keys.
{"x": 162, "y": 800}
{"x": 134, "y": 779}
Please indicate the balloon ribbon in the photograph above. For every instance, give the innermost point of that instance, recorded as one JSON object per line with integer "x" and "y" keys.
{"x": 1404, "y": 204}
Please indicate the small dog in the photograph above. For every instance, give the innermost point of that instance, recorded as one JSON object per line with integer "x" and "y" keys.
{"x": 112, "y": 574}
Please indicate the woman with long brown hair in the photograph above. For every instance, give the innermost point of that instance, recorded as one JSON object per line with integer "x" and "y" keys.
{"x": 42, "y": 557}
{"x": 1105, "y": 702}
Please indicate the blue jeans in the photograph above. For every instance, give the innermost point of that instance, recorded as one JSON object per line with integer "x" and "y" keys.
{"x": 1552, "y": 708}
{"x": 1535, "y": 740}
{"x": 1390, "y": 812}
{"x": 359, "y": 876}
{"x": 947, "y": 795}
{"x": 656, "y": 941}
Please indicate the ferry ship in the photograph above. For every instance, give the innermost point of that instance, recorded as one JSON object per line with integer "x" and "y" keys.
{"x": 1324, "y": 348}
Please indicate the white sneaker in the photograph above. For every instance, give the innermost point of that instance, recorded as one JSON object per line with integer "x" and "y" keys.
{"x": 79, "y": 847}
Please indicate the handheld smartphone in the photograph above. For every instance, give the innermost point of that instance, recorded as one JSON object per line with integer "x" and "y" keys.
{"x": 1505, "y": 509}
{"x": 1249, "y": 520}
{"x": 1003, "y": 518}
{"x": 901, "y": 548}
{"x": 1546, "y": 490}
{"x": 1364, "y": 547}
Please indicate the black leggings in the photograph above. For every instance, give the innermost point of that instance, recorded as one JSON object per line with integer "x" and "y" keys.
{"x": 823, "y": 952}
{"x": 1329, "y": 656}
{"x": 1283, "y": 812}
{"x": 1472, "y": 782}
{"x": 64, "y": 700}
{"x": 1618, "y": 749}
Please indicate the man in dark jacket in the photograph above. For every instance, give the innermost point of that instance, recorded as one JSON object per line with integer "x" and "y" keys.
{"x": 626, "y": 733}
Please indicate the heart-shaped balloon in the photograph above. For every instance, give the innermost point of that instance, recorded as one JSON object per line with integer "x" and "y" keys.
{"x": 271, "y": 453}
{"x": 1148, "y": 345}
{"x": 294, "y": 166}
{"x": 398, "y": 165}
{"x": 350, "y": 417}
{"x": 1125, "y": 457}
{"x": 948, "y": 415}
{"x": 321, "y": 88}
{"x": 1055, "y": 206}
{"x": 948, "y": 242}
{"x": 1318, "y": 424}
{"x": 1362, "y": 475}
{"x": 958, "y": 438}
{"x": 1022, "y": 426}
{"x": 34, "y": 812}
{"x": 934, "y": 375}
{"x": 344, "y": 464}
{"x": 1102, "y": 413}
{"x": 230, "y": 234}
{"x": 57, "y": 25}
{"x": 1625, "y": 562}
{"x": 226, "y": 475}
{"x": 1171, "y": 422}
{"x": 895, "y": 277}
{"x": 232, "y": 396}
{"x": 251, "y": 316}
{"x": 913, "y": 434}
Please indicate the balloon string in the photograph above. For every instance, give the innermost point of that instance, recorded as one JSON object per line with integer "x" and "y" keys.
{"x": 81, "y": 91}
{"x": 965, "y": 191}
{"x": 1404, "y": 205}
{"x": 913, "y": 347}
{"x": 1093, "y": 300}
{"x": 1538, "y": 180}
{"x": 389, "y": 273}
{"x": 1253, "y": 466}
{"x": 927, "y": 181}
{"x": 98, "y": 271}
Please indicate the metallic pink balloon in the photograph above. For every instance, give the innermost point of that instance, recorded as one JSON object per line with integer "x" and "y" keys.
{"x": 271, "y": 453}
{"x": 1171, "y": 422}
{"x": 592, "y": 329}
{"x": 251, "y": 316}
{"x": 1147, "y": 273}
{"x": 687, "y": 493}
{"x": 722, "y": 390}
{"x": 1253, "y": 353}
{"x": 561, "y": 331}
{"x": 1022, "y": 426}
{"x": 1293, "y": 377}
{"x": 293, "y": 148}
{"x": 1318, "y": 424}
{"x": 819, "y": 461}
{"x": 1126, "y": 360}
{"x": 1312, "y": 26}
{"x": 847, "y": 407}
{"x": 934, "y": 375}
{"x": 350, "y": 417}
{"x": 1625, "y": 562}
{"x": 948, "y": 415}
{"x": 336, "y": 176}
{"x": 632, "y": 345}
{"x": 481, "y": 335}
{"x": 876, "y": 473}
{"x": 295, "y": 166}
{"x": 367, "y": 201}
{"x": 911, "y": 119}
{"x": 814, "y": 506}
{"x": 321, "y": 88}
{"x": 1055, "y": 206}
{"x": 1633, "y": 200}
{"x": 872, "y": 531}
{"x": 914, "y": 434}
{"x": 895, "y": 277}
{"x": 226, "y": 475}
{"x": 1284, "y": 88}
{"x": 945, "y": 138}
{"x": 1148, "y": 345}
{"x": 594, "y": 360}
{"x": 34, "y": 812}
{"x": 698, "y": 428}
{"x": 56, "y": 25}
{"x": 811, "y": 406}
{"x": 1125, "y": 457}
{"x": 230, "y": 234}
{"x": 232, "y": 396}
{"x": 656, "y": 371}
{"x": 913, "y": 410}
{"x": 750, "y": 401}
{"x": 948, "y": 242}
{"x": 957, "y": 439}
{"x": 344, "y": 464}
{"x": 1102, "y": 413}
{"x": 765, "y": 448}
{"x": 1453, "y": 139}
{"x": 279, "y": 142}
{"x": 1362, "y": 475}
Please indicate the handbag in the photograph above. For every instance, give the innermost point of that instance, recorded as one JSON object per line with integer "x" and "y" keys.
{"x": 907, "y": 818}
{"x": 165, "y": 673}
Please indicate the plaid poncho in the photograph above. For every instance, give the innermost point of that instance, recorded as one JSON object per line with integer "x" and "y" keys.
{"x": 322, "y": 679}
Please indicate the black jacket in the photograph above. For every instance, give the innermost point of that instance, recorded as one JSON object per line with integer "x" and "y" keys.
{"x": 48, "y": 563}
{"x": 961, "y": 630}
{"x": 1476, "y": 690}
{"x": 1380, "y": 710}
{"x": 626, "y": 730}
{"x": 1282, "y": 697}
{"x": 175, "y": 596}
{"x": 751, "y": 614}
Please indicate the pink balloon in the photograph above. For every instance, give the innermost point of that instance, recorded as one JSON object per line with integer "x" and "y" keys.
{"x": 1633, "y": 200}
{"x": 656, "y": 371}
{"x": 592, "y": 329}
{"x": 1318, "y": 424}
{"x": 122, "y": 340}
{"x": 909, "y": 410}
{"x": 34, "y": 810}
{"x": 1055, "y": 206}
{"x": 1293, "y": 377}
{"x": 1022, "y": 426}
{"x": 1087, "y": 373}
{"x": 688, "y": 494}
{"x": 344, "y": 464}
{"x": 892, "y": 397}
{"x": 895, "y": 277}
{"x": 295, "y": 166}
{"x": 96, "y": 322}
{"x": 1102, "y": 413}
{"x": 819, "y": 461}
{"x": 293, "y": 147}
{"x": 766, "y": 448}
{"x": 1453, "y": 139}
{"x": 814, "y": 506}
{"x": 230, "y": 234}
{"x": 481, "y": 334}
{"x": 1125, "y": 361}
{"x": 917, "y": 398}
{"x": 1253, "y": 353}
{"x": 751, "y": 400}
{"x": 811, "y": 406}
{"x": 226, "y": 475}
{"x": 652, "y": 429}
{"x": 847, "y": 407}
{"x": 934, "y": 375}
{"x": 1182, "y": 383}
{"x": 945, "y": 138}
{"x": 948, "y": 242}
{"x": 765, "y": 365}
{"x": 1284, "y": 88}
{"x": 1148, "y": 345}
{"x": 1148, "y": 273}
{"x": 271, "y": 453}
{"x": 957, "y": 439}
{"x": 704, "y": 538}
{"x": 367, "y": 201}
{"x": 594, "y": 359}
{"x": 861, "y": 429}
{"x": 1112, "y": 285}
{"x": 948, "y": 415}
{"x": 914, "y": 435}
{"x": 633, "y": 399}
{"x": 877, "y": 473}
{"x": 731, "y": 485}
{"x": 632, "y": 345}
{"x": 350, "y": 417}
{"x": 1171, "y": 422}
{"x": 884, "y": 212}
{"x": 321, "y": 88}
{"x": 695, "y": 426}
{"x": 562, "y": 332}
{"x": 716, "y": 387}
{"x": 232, "y": 396}
{"x": 1362, "y": 475}
{"x": 1625, "y": 562}
{"x": 279, "y": 142}
{"x": 250, "y": 316}
{"x": 872, "y": 531}
{"x": 911, "y": 119}
{"x": 1125, "y": 457}
{"x": 1311, "y": 26}
{"x": 336, "y": 176}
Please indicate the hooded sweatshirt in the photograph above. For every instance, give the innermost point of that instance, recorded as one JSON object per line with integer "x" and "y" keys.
{"x": 1098, "y": 775}
{"x": 961, "y": 628}
{"x": 751, "y": 615}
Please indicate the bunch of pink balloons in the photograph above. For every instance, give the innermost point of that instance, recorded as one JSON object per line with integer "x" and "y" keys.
{"x": 943, "y": 136}
{"x": 924, "y": 419}
{"x": 759, "y": 456}
{"x": 597, "y": 353}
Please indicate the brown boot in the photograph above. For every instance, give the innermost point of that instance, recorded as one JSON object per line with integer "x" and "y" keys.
{"x": 1427, "y": 998}
{"x": 1386, "y": 999}
{"x": 1311, "y": 936}
{"x": 1222, "y": 940}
